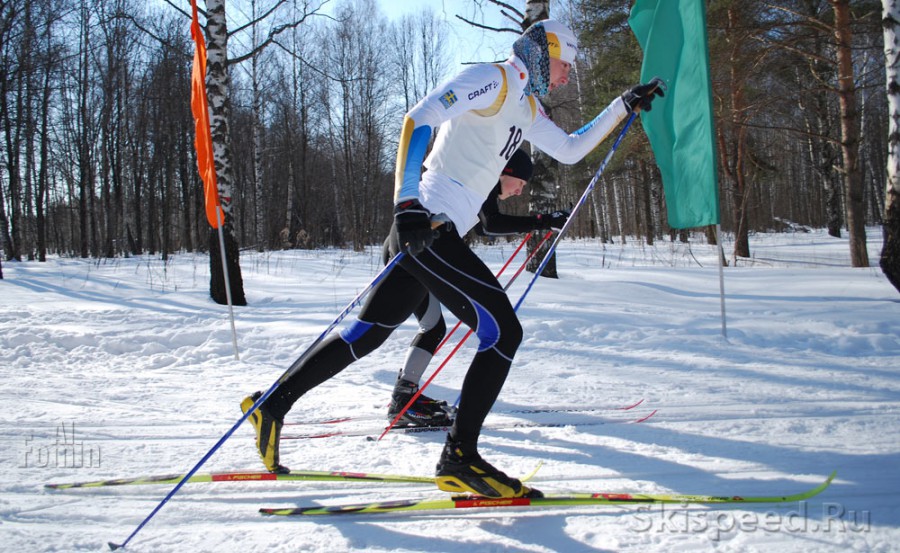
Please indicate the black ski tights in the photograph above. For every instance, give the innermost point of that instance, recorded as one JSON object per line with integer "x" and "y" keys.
{"x": 461, "y": 282}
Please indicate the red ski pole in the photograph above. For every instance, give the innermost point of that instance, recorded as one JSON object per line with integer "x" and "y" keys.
{"x": 469, "y": 333}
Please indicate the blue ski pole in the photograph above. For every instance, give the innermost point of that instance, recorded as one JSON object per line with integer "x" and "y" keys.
{"x": 587, "y": 191}
{"x": 356, "y": 301}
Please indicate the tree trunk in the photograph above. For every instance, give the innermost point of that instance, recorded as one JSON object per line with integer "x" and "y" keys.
{"x": 540, "y": 203}
{"x": 853, "y": 184}
{"x": 835, "y": 221}
{"x": 732, "y": 134}
{"x": 85, "y": 184}
{"x": 890, "y": 251}
{"x": 42, "y": 179}
{"x": 219, "y": 105}
{"x": 256, "y": 122}
{"x": 646, "y": 203}
{"x": 546, "y": 170}
{"x": 12, "y": 218}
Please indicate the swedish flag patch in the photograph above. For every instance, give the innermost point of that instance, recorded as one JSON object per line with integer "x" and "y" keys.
{"x": 448, "y": 99}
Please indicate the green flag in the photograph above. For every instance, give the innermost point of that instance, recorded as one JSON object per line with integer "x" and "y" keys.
{"x": 672, "y": 34}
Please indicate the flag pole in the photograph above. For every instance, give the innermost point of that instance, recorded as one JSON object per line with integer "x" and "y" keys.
{"x": 721, "y": 264}
{"x": 221, "y": 234}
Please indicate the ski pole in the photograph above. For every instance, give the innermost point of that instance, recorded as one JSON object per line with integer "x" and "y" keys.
{"x": 421, "y": 389}
{"x": 587, "y": 191}
{"x": 356, "y": 301}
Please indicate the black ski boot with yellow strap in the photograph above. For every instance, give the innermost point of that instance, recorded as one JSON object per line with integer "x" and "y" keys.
{"x": 462, "y": 470}
{"x": 268, "y": 433}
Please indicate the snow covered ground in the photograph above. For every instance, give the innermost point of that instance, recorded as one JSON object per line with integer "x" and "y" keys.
{"x": 125, "y": 368}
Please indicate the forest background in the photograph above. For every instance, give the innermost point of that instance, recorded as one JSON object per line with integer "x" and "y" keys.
{"x": 97, "y": 156}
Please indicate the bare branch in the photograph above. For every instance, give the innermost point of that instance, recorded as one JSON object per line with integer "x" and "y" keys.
{"x": 272, "y": 35}
{"x": 488, "y": 27}
{"x": 788, "y": 47}
{"x": 811, "y": 21}
{"x": 511, "y": 18}
{"x": 510, "y": 8}
{"x": 145, "y": 30}
{"x": 792, "y": 130}
{"x": 184, "y": 13}
{"x": 274, "y": 7}
{"x": 313, "y": 67}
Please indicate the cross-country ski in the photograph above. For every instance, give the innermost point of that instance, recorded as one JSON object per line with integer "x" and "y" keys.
{"x": 547, "y": 501}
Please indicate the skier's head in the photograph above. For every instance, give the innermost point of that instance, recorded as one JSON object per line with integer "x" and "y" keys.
{"x": 538, "y": 47}
{"x": 515, "y": 175}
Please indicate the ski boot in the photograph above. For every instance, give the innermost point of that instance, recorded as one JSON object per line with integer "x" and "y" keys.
{"x": 268, "y": 433}
{"x": 424, "y": 412}
{"x": 464, "y": 471}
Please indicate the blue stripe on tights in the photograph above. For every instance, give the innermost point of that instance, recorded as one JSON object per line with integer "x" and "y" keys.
{"x": 355, "y": 331}
{"x": 488, "y": 331}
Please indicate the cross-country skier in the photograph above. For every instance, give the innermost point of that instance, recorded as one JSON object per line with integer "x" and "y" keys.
{"x": 482, "y": 115}
{"x": 426, "y": 411}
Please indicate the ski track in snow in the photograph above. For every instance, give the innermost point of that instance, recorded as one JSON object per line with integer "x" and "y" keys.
{"x": 124, "y": 367}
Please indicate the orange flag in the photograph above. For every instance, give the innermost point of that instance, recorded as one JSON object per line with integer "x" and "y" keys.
{"x": 203, "y": 140}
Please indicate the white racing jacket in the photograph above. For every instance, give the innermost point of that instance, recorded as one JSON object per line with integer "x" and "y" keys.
{"x": 483, "y": 116}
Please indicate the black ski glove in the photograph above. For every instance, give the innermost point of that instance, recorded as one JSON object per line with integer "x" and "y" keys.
{"x": 413, "y": 224}
{"x": 554, "y": 220}
{"x": 641, "y": 96}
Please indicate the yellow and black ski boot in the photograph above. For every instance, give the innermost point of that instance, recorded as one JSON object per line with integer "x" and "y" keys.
{"x": 462, "y": 470}
{"x": 268, "y": 433}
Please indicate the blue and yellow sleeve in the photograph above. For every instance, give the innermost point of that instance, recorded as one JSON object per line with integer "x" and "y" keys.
{"x": 410, "y": 155}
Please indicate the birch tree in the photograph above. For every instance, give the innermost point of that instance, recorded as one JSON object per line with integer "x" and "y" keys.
{"x": 256, "y": 121}
{"x": 890, "y": 251}
{"x": 217, "y": 82}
